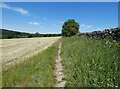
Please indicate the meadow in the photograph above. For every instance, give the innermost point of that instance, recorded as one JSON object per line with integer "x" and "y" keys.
{"x": 37, "y": 71}
{"x": 89, "y": 62}
{"x": 17, "y": 50}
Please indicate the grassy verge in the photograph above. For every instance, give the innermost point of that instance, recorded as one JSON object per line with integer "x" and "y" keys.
{"x": 90, "y": 63}
{"x": 38, "y": 71}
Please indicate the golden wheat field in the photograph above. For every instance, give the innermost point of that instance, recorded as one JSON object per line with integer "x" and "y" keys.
{"x": 16, "y": 50}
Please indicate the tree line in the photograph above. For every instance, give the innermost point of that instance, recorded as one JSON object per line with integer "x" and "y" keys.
{"x": 8, "y": 34}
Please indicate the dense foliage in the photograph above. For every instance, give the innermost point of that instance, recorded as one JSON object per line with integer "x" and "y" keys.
{"x": 90, "y": 63}
{"x": 70, "y": 28}
{"x": 8, "y": 34}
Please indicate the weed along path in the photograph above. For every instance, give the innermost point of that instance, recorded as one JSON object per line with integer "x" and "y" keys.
{"x": 59, "y": 70}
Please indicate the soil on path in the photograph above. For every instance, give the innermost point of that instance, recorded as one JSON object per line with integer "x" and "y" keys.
{"x": 59, "y": 70}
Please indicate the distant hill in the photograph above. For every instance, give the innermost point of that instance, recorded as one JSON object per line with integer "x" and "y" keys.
{"x": 8, "y": 34}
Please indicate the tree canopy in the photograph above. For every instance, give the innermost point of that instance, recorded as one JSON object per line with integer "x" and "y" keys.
{"x": 70, "y": 28}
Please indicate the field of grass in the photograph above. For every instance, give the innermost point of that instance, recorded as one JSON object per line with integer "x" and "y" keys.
{"x": 90, "y": 63}
{"x": 16, "y": 50}
{"x": 37, "y": 71}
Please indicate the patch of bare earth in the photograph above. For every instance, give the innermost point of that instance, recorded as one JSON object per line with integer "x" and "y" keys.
{"x": 59, "y": 70}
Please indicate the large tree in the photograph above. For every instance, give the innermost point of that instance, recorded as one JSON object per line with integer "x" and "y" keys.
{"x": 70, "y": 28}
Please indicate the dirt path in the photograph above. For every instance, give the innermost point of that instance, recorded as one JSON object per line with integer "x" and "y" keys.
{"x": 59, "y": 70}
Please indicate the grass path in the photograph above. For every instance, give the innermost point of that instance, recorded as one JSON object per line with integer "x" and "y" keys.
{"x": 59, "y": 70}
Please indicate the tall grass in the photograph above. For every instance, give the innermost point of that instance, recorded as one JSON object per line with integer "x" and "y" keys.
{"x": 90, "y": 63}
{"x": 38, "y": 71}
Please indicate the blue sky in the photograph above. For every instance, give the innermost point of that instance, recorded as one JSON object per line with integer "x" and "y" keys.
{"x": 48, "y": 17}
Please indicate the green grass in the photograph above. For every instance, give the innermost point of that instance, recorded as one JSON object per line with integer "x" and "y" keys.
{"x": 38, "y": 71}
{"x": 90, "y": 63}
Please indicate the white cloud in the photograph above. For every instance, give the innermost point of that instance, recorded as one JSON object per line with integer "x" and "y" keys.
{"x": 83, "y": 26}
{"x": 20, "y": 10}
{"x": 34, "y": 23}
